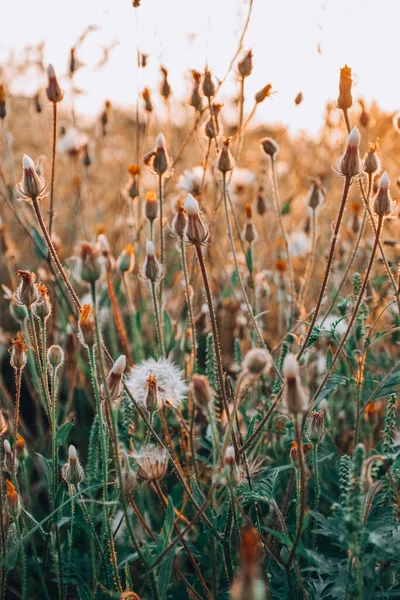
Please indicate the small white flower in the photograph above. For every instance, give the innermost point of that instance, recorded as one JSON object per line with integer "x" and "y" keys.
{"x": 171, "y": 387}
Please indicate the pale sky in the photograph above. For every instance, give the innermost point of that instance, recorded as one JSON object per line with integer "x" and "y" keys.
{"x": 183, "y": 34}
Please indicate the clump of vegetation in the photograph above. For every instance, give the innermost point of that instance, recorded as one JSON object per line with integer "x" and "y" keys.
{"x": 199, "y": 397}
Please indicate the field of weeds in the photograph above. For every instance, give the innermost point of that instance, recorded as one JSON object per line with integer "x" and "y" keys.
{"x": 200, "y": 333}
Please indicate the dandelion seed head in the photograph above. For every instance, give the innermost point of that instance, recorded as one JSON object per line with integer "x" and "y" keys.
{"x": 172, "y": 389}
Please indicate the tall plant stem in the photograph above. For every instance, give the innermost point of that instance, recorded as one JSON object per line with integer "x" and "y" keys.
{"x": 240, "y": 130}
{"x": 118, "y": 318}
{"x": 278, "y": 212}
{"x": 18, "y": 376}
{"x": 214, "y": 124}
{"x": 351, "y": 322}
{"x": 244, "y": 294}
{"x": 317, "y": 487}
{"x": 3, "y": 533}
{"x": 157, "y": 318}
{"x": 189, "y": 303}
{"x": 331, "y": 255}
{"x": 53, "y": 166}
{"x": 302, "y": 493}
{"x": 161, "y": 200}
{"x": 310, "y": 259}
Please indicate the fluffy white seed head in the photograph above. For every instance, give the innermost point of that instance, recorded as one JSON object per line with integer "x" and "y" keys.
{"x": 50, "y": 71}
{"x": 72, "y": 452}
{"x": 119, "y": 365}
{"x": 150, "y": 250}
{"x": 192, "y": 208}
{"x": 27, "y": 162}
{"x": 290, "y": 367}
{"x": 160, "y": 141}
{"x": 354, "y": 138}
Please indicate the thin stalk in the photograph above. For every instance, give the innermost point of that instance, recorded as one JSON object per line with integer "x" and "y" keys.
{"x": 189, "y": 302}
{"x": 3, "y": 533}
{"x": 310, "y": 259}
{"x": 331, "y": 255}
{"x": 157, "y": 318}
{"x": 162, "y": 259}
{"x": 302, "y": 493}
{"x": 53, "y": 166}
{"x": 262, "y": 423}
{"x": 18, "y": 375}
{"x": 214, "y": 123}
{"x": 317, "y": 486}
{"x": 23, "y": 561}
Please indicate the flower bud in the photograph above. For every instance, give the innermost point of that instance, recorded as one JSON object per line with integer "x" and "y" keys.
{"x": 261, "y": 205}
{"x": 201, "y": 391}
{"x": 265, "y": 92}
{"x": 3, "y": 97}
{"x": 293, "y": 393}
{"x": 31, "y": 185}
{"x": 257, "y": 361}
{"x": 148, "y": 105}
{"x": 316, "y": 195}
{"x": 27, "y": 291}
{"x": 350, "y": 165}
{"x": 129, "y": 478}
{"x": 382, "y": 204}
{"x": 195, "y": 98}
{"x": 72, "y": 471}
{"x": 180, "y": 221}
{"x": 249, "y": 232}
{"x": 165, "y": 88}
{"x": 208, "y": 84}
{"x": 270, "y": 147}
{"x": 114, "y": 380}
{"x": 86, "y": 325}
{"x": 54, "y": 92}
{"x": 153, "y": 401}
{"x": 197, "y": 231}
{"x": 37, "y": 103}
{"x": 152, "y": 269}
{"x": 294, "y": 454}
{"x": 212, "y": 128}
{"x": 245, "y": 66}
{"x": 151, "y": 206}
{"x": 18, "y": 352}
{"x": 20, "y": 445}
{"x": 55, "y": 357}
{"x": 13, "y": 501}
{"x": 345, "y": 99}
{"x": 42, "y": 307}
{"x": 89, "y": 266}
{"x": 371, "y": 159}
{"x": 161, "y": 159}
{"x": 316, "y": 426}
{"x": 225, "y": 159}
{"x": 229, "y": 458}
{"x": 152, "y": 462}
{"x": 126, "y": 260}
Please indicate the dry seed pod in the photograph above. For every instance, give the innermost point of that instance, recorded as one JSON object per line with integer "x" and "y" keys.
{"x": 54, "y": 92}
{"x": 351, "y": 165}
{"x": 345, "y": 99}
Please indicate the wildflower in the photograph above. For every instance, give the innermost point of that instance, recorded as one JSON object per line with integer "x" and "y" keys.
{"x": 371, "y": 159}
{"x": 73, "y": 142}
{"x": 382, "y": 204}
{"x": 197, "y": 231}
{"x": 225, "y": 160}
{"x": 265, "y": 92}
{"x": 195, "y": 98}
{"x": 208, "y": 84}
{"x": 32, "y": 185}
{"x": 249, "y": 233}
{"x": 152, "y": 462}
{"x": 364, "y": 116}
{"x": 3, "y": 98}
{"x": 212, "y": 128}
{"x": 371, "y": 413}
{"x": 148, "y": 105}
{"x": 171, "y": 388}
{"x": 293, "y": 394}
{"x": 88, "y": 266}
{"x": 55, "y": 357}
{"x": 245, "y": 65}
{"x": 86, "y": 325}
{"x": 126, "y": 260}
{"x": 114, "y": 380}
{"x": 180, "y": 221}
{"x": 42, "y": 306}
{"x": 192, "y": 179}
{"x": 158, "y": 158}
{"x": 270, "y": 147}
{"x": 345, "y": 99}
{"x": 27, "y": 291}
{"x": 106, "y": 254}
{"x": 153, "y": 402}
{"x": 151, "y": 206}
{"x": 133, "y": 186}
{"x": 316, "y": 426}
{"x": 294, "y": 454}
{"x": 152, "y": 268}
{"x": 129, "y": 478}
{"x": 13, "y": 501}
{"x": 201, "y": 391}
{"x": 351, "y": 165}
{"x": 8, "y": 459}
{"x": 248, "y": 583}
{"x": 20, "y": 445}
{"x": 54, "y": 92}
{"x": 257, "y": 361}
{"x": 72, "y": 471}
{"x": 165, "y": 88}
{"x": 18, "y": 352}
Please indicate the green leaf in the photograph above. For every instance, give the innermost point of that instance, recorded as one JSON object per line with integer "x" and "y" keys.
{"x": 249, "y": 259}
{"x": 168, "y": 333}
{"x": 164, "y": 536}
{"x": 62, "y": 433}
{"x": 164, "y": 575}
{"x": 46, "y": 464}
{"x": 40, "y": 247}
{"x": 329, "y": 359}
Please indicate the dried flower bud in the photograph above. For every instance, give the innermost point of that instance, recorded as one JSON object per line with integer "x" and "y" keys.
{"x": 18, "y": 352}
{"x": 8, "y": 459}
{"x": 257, "y": 361}
{"x": 270, "y": 147}
{"x": 350, "y": 165}
{"x": 89, "y": 266}
{"x": 165, "y": 88}
{"x": 294, "y": 454}
{"x": 148, "y": 105}
{"x": 72, "y": 471}
{"x": 55, "y": 357}
{"x": 180, "y": 221}
{"x": 208, "y": 84}
{"x": 3, "y": 424}
{"x": 225, "y": 160}
{"x": 261, "y": 205}
{"x": 345, "y": 99}
{"x": 316, "y": 426}
{"x": 364, "y": 116}
{"x": 316, "y": 195}
{"x": 114, "y": 380}
{"x": 249, "y": 232}
{"x": 371, "y": 413}
{"x": 248, "y": 583}
{"x": 197, "y": 231}
{"x": 27, "y": 291}
{"x": 126, "y": 260}
{"x": 152, "y": 462}
{"x": 153, "y": 401}
{"x": 293, "y": 394}
{"x": 152, "y": 269}
{"x": 299, "y": 99}
{"x": 20, "y": 445}
{"x": 129, "y": 478}
{"x": 212, "y": 126}
{"x": 37, "y": 103}
{"x": 54, "y": 92}
{"x": 86, "y": 324}
{"x": 42, "y": 307}
{"x": 201, "y": 391}
{"x": 3, "y": 98}
{"x": 265, "y": 92}
{"x": 161, "y": 158}
{"x": 151, "y": 206}
{"x": 13, "y": 501}
{"x": 371, "y": 159}
{"x": 382, "y": 204}
{"x": 229, "y": 458}
{"x": 245, "y": 66}
{"x": 31, "y": 185}
{"x": 195, "y": 98}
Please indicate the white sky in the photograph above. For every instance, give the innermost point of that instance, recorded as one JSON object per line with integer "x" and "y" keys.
{"x": 284, "y": 35}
